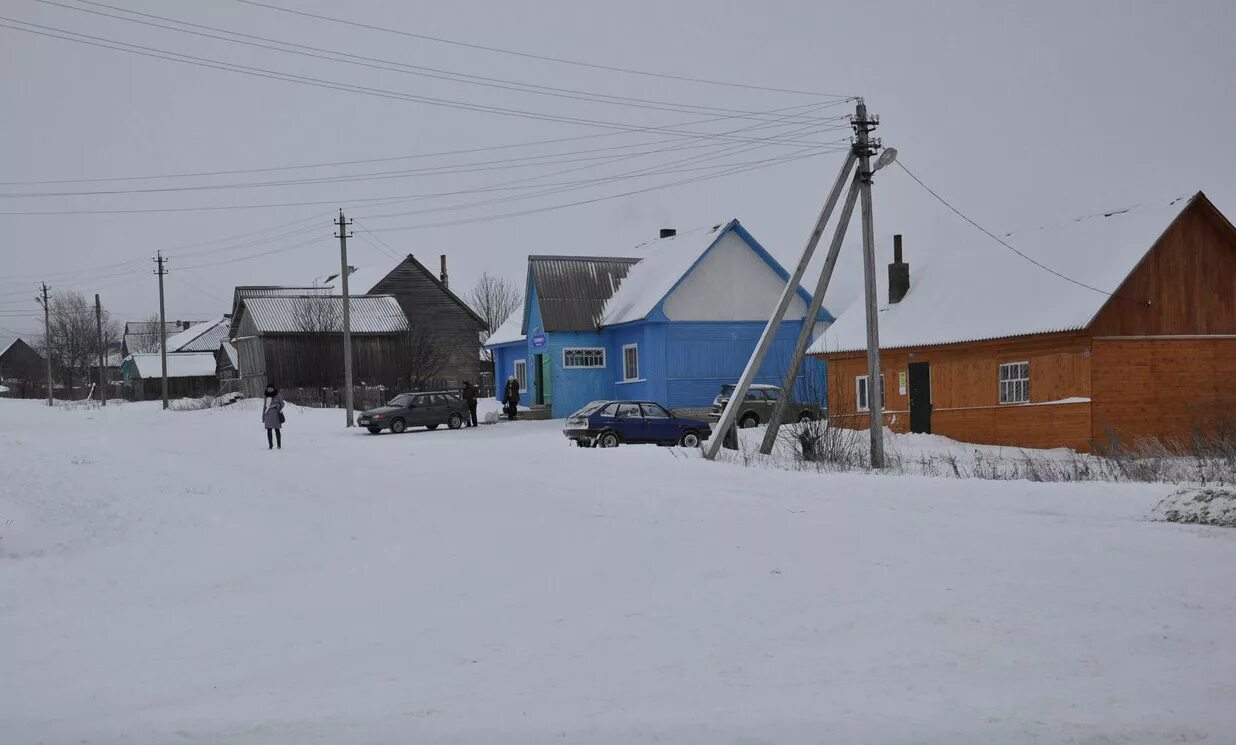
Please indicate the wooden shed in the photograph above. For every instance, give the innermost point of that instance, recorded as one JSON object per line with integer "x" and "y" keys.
{"x": 296, "y": 341}
{"x": 1137, "y": 339}
{"x": 23, "y": 370}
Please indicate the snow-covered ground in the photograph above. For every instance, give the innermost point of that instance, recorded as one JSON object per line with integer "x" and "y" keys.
{"x": 165, "y": 578}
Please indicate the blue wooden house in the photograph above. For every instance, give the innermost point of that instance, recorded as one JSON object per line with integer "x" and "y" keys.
{"x": 672, "y": 323}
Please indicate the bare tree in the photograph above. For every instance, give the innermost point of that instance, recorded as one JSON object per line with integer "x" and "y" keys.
{"x": 427, "y": 357}
{"x": 74, "y": 343}
{"x": 494, "y": 299}
{"x": 319, "y": 314}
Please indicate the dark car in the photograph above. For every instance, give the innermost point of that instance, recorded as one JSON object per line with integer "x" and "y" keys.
{"x": 610, "y": 423}
{"x": 428, "y": 410}
{"x": 759, "y": 404}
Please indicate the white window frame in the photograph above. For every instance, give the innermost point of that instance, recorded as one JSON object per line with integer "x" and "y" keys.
{"x": 522, "y": 377}
{"x": 585, "y": 350}
{"x": 626, "y": 374}
{"x": 1012, "y": 385}
{"x": 860, "y": 384}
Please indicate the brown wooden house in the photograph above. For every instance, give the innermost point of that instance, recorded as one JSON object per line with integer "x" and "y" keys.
{"x": 437, "y": 317}
{"x": 1137, "y": 339}
{"x": 22, "y": 370}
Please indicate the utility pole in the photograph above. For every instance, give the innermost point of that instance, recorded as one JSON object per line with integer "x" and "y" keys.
{"x": 98, "y": 322}
{"x": 343, "y": 236}
{"x": 162, "y": 323}
{"x": 739, "y": 394}
{"x": 47, "y": 340}
{"x": 817, "y": 302}
{"x": 864, "y": 147}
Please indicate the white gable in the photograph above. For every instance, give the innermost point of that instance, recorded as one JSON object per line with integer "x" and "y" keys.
{"x": 731, "y": 283}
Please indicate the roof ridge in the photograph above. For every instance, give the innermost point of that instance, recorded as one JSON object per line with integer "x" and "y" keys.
{"x": 576, "y": 257}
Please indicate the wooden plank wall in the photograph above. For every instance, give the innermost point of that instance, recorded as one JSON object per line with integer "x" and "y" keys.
{"x": 1162, "y": 387}
{"x": 427, "y": 305}
{"x": 316, "y": 360}
{"x": 1189, "y": 279}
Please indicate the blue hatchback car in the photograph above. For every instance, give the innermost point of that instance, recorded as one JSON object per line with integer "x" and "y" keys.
{"x": 610, "y": 423}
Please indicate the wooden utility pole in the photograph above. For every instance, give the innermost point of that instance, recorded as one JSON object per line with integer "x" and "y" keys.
{"x": 864, "y": 147}
{"x": 730, "y": 413}
{"x": 47, "y": 341}
{"x": 162, "y": 323}
{"x": 98, "y": 322}
{"x": 817, "y": 302}
{"x": 343, "y": 235}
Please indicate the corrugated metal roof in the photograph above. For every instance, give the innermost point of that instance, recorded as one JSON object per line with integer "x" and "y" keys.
{"x": 572, "y": 290}
{"x": 244, "y": 292}
{"x": 203, "y": 337}
{"x": 370, "y": 314}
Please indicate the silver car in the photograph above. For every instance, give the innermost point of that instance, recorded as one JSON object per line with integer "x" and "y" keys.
{"x": 757, "y": 409}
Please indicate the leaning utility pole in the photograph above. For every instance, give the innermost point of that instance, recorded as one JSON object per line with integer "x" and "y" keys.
{"x": 730, "y": 413}
{"x": 47, "y": 341}
{"x": 98, "y": 321}
{"x": 162, "y": 323}
{"x": 864, "y": 147}
{"x": 343, "y": 235}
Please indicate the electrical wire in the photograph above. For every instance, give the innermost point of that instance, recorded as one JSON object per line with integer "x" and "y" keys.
{"x": 394, "y": 66}
{"x": 544, "y": 58}
{"x": 1004, "y": 243}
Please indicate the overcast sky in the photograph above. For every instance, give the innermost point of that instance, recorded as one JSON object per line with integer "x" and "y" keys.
{"x": 1020, "y": 113}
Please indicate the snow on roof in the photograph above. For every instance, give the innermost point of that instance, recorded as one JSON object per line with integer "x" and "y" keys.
{"x": 508, "y": 332}
{"x": 370, "y": 314}
{"x": 201, "y": 337}
{"x": 984, "y": 291}
{"x": 662, "y": 263}
{"x": 183, "y": 365}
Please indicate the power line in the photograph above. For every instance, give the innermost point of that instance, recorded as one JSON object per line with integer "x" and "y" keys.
{"x": 1002, "y": 242}
{"x": 206, "y": 62}
{"x": 544, "y": 58}
{"x": 417, "y": 156}
{"x": 395, "y": 66}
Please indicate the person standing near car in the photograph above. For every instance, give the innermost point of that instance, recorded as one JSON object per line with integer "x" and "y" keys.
{"x": 272, "y": 417}
{"x": 469, "y": 397}
{"x": 510, "y": 397}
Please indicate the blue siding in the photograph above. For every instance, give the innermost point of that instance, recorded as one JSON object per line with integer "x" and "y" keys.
{"x": 700, "y": 357}
{"x": 504, "y": 363}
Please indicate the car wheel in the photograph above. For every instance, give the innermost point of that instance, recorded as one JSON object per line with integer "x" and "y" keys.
{"x": 805, "y": 417}
{"x": 609, "y": 440}
{"x": 431, "y": 426}
{"x": 375, "y": 430}
{"x": 748, "y": 421}
{"x": 690, "y": 440}
{"x": 455, "y": 421}
{"x": 398, "y": 426}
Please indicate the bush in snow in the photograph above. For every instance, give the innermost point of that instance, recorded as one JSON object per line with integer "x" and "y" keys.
{"x": 1199, "y": 506}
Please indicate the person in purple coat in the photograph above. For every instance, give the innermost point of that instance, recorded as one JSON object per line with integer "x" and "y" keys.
{"x": 272, "y": 417}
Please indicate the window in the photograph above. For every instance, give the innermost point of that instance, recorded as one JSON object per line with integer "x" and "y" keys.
{"x": 521, "y": 374}
{"x": 583, "y": 357}
{"x": 611, "y": 410}
{"x": 860, "y": 390}
{"x": 1015, "y": 383}
{"x": 630, "y": 362}
{"x": 629, "y": 411}
{"x": 755, "y": 394}
{"x": 772, "y": 393}
{"x": 654, "y": 411}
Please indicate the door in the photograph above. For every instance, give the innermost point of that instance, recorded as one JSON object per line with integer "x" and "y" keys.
{"x": 547, "y": 380}
{"x": 630, "y": 423}
{"x": 538, "y": 372}
{"x": 658, "y": 426}
{"x": 920, "y": 397}
{"x": 420, "y": 411}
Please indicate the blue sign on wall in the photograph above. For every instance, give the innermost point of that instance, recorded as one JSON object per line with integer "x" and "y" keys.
{"x": 538, "y": 338}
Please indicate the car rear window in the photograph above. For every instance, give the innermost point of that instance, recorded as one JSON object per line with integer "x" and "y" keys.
{"x": 590, "y": 409}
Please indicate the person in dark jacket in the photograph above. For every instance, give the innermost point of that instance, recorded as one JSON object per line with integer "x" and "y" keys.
{"x": 469, "y": 397}
{"x": 272, "y": 417}
{"x": 510, "y": 397}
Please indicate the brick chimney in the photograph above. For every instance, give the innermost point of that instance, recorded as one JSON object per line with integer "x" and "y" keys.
{"x": 668, "y": 232}
{"x": 898, "y": 274}
{"x": 442, "y": 275}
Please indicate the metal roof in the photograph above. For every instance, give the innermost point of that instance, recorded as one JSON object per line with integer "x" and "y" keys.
{"x": 572, "y": 290}
{"x": 370, "y": 314}
{"x": 247, "y": 291}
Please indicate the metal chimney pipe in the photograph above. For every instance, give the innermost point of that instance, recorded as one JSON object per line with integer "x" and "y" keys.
{"x": 668, "y": 232}
{"x": 442, "y": 276}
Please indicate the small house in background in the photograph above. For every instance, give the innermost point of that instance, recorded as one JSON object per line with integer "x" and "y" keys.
{"x": 296, "y": 341}
{"x": 672, "y": 323}
{"x": 23, "y": 371}
{"x": 437, "y": 317}
{"x": 200, "y": 337}
{"x": 1137, "y": 339}
{"x": 144, "y": 336}
{"x": 189, "y": 375}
